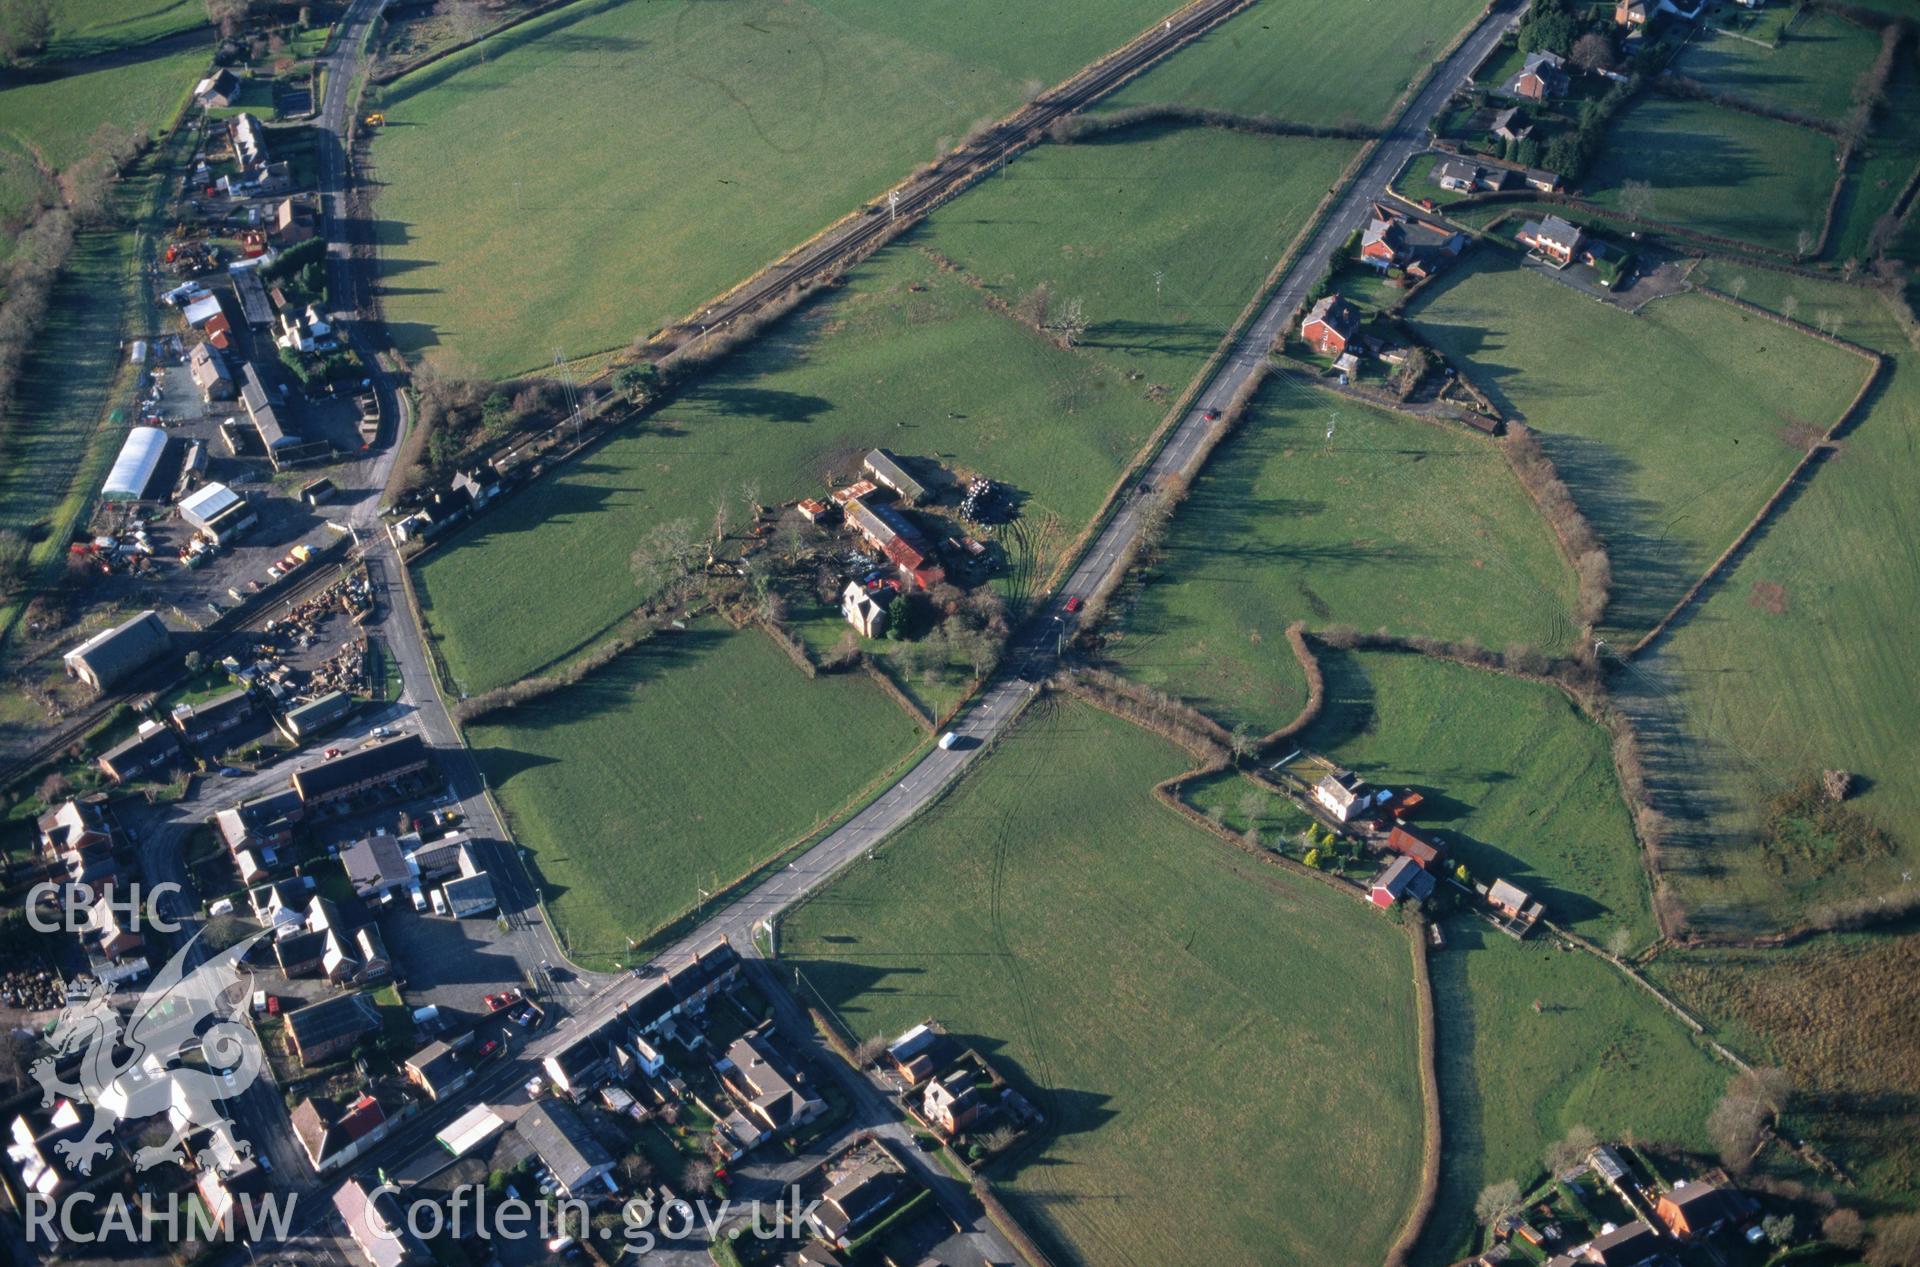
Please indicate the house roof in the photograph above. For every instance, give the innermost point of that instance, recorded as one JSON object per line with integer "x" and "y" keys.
{"x": 471, "y": 891}
{"x": 390, "y": 757}
{"x": 1335, "y": 312}
{"x": 301, "y": 948}
{"x": 338, "y": 1017}
{"x": 1404, "y": 840}
{"x": 887, "y": 469}
{"x": 375, "y": 1223}
{"x": 1625, "y": 1246}
{"x": 325, "y": 1129}
{"x": 375, "y": 862}
{"x": 148, "y": 744}
{"x": 1404, "y": 878}
{"x": 113, "y": 653}
{"x": 776, "y": 1093}
{"x": 435, "y": 1065}
{"x": 1506, "y": 893}
{"x": 857, "y": 1196}
{"x": 563, "y": 1142}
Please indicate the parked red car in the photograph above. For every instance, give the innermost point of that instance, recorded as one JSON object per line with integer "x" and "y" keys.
{"x": 1075, "y": 603}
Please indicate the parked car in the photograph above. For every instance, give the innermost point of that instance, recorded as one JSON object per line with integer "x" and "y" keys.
{"x": 1075, "y": 603}
{"x": 505, "y": 999}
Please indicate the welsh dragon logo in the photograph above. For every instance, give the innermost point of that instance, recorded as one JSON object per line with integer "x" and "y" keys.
{"x": 188, "y": 1009}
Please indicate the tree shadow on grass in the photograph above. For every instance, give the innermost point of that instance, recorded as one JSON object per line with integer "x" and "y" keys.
{"x": 609, "y": 689}
{"x": 1652, "y": 563}
{"x": 1462, "y": 1143}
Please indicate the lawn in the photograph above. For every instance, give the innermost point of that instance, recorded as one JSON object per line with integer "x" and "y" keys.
{"x": 1718, "y": 171}
{"x": 672, "y": 771}
{"x": 55, "y": 119}
{"x": 1836, "y": 1014}
{"x": 1287, "y": 58}
{"x": 1513, "y": 775}
{"x": 1191, "y": 1022}
{"x": 895, "y": 358}
{"x": 1391, "y": 522}
{"x": 1534, "y": 1041}
{"x": 1798, "y": 660}
{"x": 1812, "y": 72}
{"x": 689, "y": 145}
{"x": 1672, "y": 427}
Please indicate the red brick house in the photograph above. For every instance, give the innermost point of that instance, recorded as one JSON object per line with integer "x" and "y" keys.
{"x": 1557, "y": 241}
{"x": 1330, "y": 325}
{"x": 1544, "y": 75}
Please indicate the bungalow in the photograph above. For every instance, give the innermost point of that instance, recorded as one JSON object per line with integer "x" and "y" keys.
{"x": 153, "y": 749}
{"x": 209, "y": 372}
{"x": 773, "y": 1098}
{"x": 438, "y": 1070}
{"x": 1403, "y": 879}
{"x": 1543, "y": 75}
{"x": 887, "y": 471}
{"x": 112, "y": 655}
{"x": 1556, "y": 241}
{"x": 1541, "y": 179}
{"x": 852, "y": 1203}
{"x": 333, "y": 1136}
{"x": 376, "y": 868}
{"x": 1463, "y": 177}
{"x": 863, "y": 611}
{"x": 218, "y": 90}
{"x": 1329, "y": 325}
{"x": 953, "y": 1103}
{"x": 1344, "y": 794}
{"x": 1406, "y": 842}
{"x": 35, "y": 1149}
{"x": 1511, "y": 125}
{"x": 1700, "y": 1209}
{"x": 323, "y": 1030}
{"x": 569, "y": 1151}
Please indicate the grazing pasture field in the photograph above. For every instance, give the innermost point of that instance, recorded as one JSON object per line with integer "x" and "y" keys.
{"x": 1837, "y": 1014}
{"x": 83, "y": 28}
{"x": 54, "y": 119}
{"x": 692, "y": 143}
{"x": 1718, "y": 171}
{"x": 1391, "y": 522}
{"x": 1596, "y": 1052}
{"x": 895, "y": 358}
{"x": 1282, "y": 57}
{"x": 1131, "y": 975}
{"x": 1881, "y": 166}
{"x": 1797, "y": 661}
{"x": 670, "y": 771}
{"x": 1514, "y": 776}
{"x": 1672, "y": 427}
{"x": 1812, "y": 72}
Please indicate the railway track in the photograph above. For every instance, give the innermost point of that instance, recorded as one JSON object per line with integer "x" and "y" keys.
{"x": 211, "y": 643}
{"x": 955, "y": 171}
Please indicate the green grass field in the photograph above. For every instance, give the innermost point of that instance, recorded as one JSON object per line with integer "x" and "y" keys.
{"x": 1672, "y": 427}
{"x": 1225, "y": 1052}
{"x": 1598, "y": 1053}
{"x": 1881, "y": 165}
{"x": 55, "y": 119}
{"x": 674, "y": 770}
{"x": 1813, "y": 71}
{"x": 1512, "y": 773}
{"x": 896, "y": 358}
{"x": 591, "y": 175}
{"x": 1795, "y": 663}
{"x": 1718, "y": 171}
{"x": 85, "y": 28}
{"x": 1284, "y": 58}
{"x": 1393, "y": 522}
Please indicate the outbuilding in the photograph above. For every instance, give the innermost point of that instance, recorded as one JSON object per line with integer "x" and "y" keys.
{"x": 138, "y": 462}
{"x": 113, "y": 654}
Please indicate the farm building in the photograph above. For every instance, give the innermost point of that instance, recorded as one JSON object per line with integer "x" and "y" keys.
{"x": 209, "y": 372}
{"x": 1408, "y": 843}
{"x": 203, "y": 310}
{"x": 864, "y": 612}
{"x": 1557, "y": 241}
{"x": 219, "y": 512}
{"x": 888, "y": 473}
{"x": 853, "y": 492}
{"x": 113, "y": 654}
{"x": 1514, "y": 905}
{"x": 571, "y": 1154}
{"x": 470, "y": 1130}
{"x": 323, "y": 1030}
{"x": 307, "y": 720}
{"x": 252, "y": 294}
{"x": 279, "y": 443}
{"x": 912, "y": 1053}
{"x": 1630, "y": 13}
{"x": 1330, "y": 325}
{"x": 1403, "y": 880}
{"x": 815, "y": 511}
{"x": 888, "y": 532}
{"x": 138, "y": 462}
{"x": 333, "y": 1136}
{"x": 1542, "y": 76}
{"x": 362, "y": 770}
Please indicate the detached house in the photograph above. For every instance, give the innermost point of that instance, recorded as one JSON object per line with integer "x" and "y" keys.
{"x": 1700, "y": 1209}
{"x": 855, "y": 1202}
{"x": 333, "y": 1136}
{"x": 1543, "y": 76}
{"x": 1344, "y": 794}
{"x": 867, "y": 614}
{"x": 1330, "y": 325}
{"x": 1557, "y": 241}
{"x": 1463, "y": 177}
{"x": 953, "y": 1103}
{"x": 1394, "y": 240}
{"x": 771, "y": 1098}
